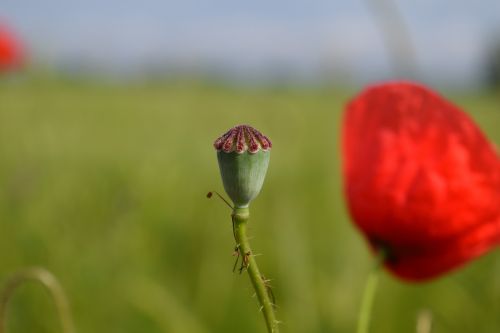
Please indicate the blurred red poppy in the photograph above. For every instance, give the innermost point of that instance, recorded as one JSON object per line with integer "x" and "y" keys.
{"x": 11, "y": 51}
{"x": 421, "y": 180}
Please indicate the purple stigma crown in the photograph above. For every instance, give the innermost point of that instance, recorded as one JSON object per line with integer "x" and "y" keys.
{"x": 242, "y": 138}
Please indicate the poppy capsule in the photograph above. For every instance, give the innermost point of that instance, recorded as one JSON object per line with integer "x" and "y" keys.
{"x": 11, "y": 53}
{"x": 243, "y": 154}
{"x": 421, "y": 180}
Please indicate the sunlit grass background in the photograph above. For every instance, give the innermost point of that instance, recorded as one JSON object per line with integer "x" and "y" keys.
{"x": 104, "y": 185}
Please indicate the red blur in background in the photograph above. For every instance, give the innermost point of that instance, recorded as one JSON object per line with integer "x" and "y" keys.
{"x": 12, "y": 53}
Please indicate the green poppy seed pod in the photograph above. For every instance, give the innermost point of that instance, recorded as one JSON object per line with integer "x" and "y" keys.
{"x": 243, "y": 154}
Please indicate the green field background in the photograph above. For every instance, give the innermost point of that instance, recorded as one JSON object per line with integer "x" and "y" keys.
{"x": 104, "y": 184}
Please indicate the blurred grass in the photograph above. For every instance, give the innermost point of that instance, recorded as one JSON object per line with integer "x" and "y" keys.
{"x": 105, "y": 184}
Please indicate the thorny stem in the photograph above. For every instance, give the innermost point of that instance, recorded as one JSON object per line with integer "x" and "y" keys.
{"x": 49, "y": 281}
{"x": 369, "y": 294}
{"x": 240, "y": 218}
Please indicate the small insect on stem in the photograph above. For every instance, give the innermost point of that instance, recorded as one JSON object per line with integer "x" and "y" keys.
{"x": 236, "y": 254}
{"x": 245, "y": 261}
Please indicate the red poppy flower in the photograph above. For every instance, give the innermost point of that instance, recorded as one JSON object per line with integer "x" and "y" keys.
{"x": 11, "y": 52}
{"x": 421, "y": 180}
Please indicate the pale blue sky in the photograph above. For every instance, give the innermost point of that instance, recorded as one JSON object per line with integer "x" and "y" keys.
{"x": 254, "y": 38}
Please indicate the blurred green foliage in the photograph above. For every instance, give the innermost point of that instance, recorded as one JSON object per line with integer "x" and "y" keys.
{"x": 104, "y": 185}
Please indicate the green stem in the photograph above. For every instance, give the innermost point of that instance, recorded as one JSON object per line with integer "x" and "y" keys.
{"x": 369, "y": 295}
{"x": 49, "y": 281}
{"x": 240, "y": 218}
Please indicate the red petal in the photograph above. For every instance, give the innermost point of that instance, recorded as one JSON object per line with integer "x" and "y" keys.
{"x": 420, "y": 178}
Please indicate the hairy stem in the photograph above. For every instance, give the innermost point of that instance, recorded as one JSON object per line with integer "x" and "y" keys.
{"x": 369, "y": 294}
{"x": 49, "y": 281}
{"x": 240, "y": 218}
